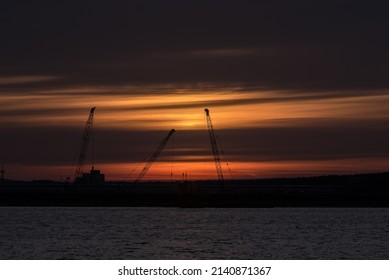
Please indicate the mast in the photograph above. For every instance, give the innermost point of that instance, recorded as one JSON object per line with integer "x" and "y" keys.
{"x": 154, "y": 156}
{"x": 84, "y": 144}
{"x": 215, "y": 147}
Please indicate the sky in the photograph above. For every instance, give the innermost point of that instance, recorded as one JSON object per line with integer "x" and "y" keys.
{"x": 294, "y": 88}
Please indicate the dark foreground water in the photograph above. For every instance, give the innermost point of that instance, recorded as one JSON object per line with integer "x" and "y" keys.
{"x": 174, "y": 233}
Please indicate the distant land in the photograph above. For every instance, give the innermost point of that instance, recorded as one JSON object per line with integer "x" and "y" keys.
{"x": 359, "y": 190}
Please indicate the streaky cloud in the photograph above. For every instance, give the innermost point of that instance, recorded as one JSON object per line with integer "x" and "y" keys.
{"x": 17, "y": 80}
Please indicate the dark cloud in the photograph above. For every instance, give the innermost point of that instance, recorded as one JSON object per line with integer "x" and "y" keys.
{"x": 312, "y": 140}
{"x": 297, "y": 50}
{"x": 275, "y": 44}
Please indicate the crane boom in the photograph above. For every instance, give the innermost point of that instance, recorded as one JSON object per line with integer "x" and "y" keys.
{"x": 154, "y": 156}
{"x": 84, "y": 144}
{"x": 215, "y": 148}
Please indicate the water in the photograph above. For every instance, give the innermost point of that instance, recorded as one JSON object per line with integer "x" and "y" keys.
{"x": 174, "y": 233}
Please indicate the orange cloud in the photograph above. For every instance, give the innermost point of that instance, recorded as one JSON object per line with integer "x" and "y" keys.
{"x": 167, "y": 107}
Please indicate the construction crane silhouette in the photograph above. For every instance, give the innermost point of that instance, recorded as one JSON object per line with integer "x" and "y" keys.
{"x": 84, "y": 144}
{"x": 154, "y": 156}
{"x": 215, "y": 147}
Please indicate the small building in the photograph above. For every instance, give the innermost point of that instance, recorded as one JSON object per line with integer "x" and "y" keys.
{"x": 95, "y": 177}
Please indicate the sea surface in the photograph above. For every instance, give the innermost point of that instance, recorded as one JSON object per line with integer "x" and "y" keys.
{"x": 204, "y": 233}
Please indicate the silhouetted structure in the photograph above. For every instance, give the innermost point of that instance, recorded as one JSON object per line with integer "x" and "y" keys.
{"x": 154, "y": 156}
{"x": 84, "y": 144}
{"x": 92, "y": 178}
{"x": 215, "y": 147}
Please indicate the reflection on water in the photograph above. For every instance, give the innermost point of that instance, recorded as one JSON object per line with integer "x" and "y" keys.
{"x": 174, "y": 233}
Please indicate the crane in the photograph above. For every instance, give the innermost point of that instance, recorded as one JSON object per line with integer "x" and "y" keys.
{"x": 215, "y": 147}
{"x": 154, "y": 156}
{"x": 84, "y": 144}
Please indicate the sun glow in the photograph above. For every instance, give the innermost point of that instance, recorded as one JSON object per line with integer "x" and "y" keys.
{"x": 181, "y": 109}
{"x": 131, "y": 109}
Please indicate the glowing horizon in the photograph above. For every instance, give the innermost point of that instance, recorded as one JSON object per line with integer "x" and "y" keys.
{"x": 163, "y": 107}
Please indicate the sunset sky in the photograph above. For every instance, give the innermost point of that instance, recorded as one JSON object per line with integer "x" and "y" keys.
{"x": 294, "y": 88}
